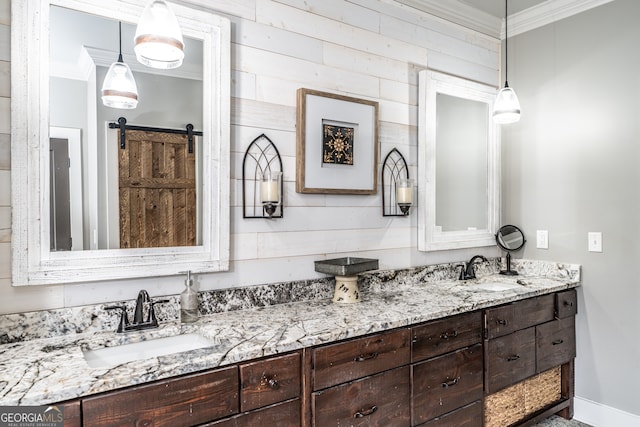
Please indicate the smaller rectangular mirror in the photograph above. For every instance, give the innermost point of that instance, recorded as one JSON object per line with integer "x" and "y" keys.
{"x": 458, "y": 163}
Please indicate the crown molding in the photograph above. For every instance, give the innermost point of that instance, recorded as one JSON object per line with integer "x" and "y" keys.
{"x": 459, "y": 13}
{"x": 547, "y": 13}
{"x": 529, "y": 19}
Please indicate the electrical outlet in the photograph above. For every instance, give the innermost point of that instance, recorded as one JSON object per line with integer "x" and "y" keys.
{"x": 595, "y": 241}
{"x": 542, "y": 239}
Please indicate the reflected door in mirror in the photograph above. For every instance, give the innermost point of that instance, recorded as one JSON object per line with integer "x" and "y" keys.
{"x": 60, "y": 203}
{"x": 157, "y": 191}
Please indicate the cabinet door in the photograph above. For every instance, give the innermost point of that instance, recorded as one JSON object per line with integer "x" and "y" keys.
{"x": 467, "y": 416}
{"x": 185, "y": 401}
{"x": 447, "y": 382}
{"x": 523, "y": 314}
{"x": 269, "y": 381}
{"x": 445, "y": 335}
{"x": 510, "y": 358}
{"x": 556, "y": 343}
{"x": 286, "y": 414}
{"x": 338, "y": 363}
{"x": 380, "y": 400}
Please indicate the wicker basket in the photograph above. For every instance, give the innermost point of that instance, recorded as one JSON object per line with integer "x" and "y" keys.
{"x": 515, "y": 403}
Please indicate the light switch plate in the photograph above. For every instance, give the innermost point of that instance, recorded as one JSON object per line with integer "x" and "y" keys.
{"x": 542, "y": 239}
{"x": 595, "y": 241}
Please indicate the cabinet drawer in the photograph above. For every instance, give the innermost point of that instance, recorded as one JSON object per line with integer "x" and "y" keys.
{"x": 269, "y": 381}
{"x": 338, "y": 363}
{"x": 566, "y": 304}
{"x": 510, "y": 358}
{"x": 467, "y": 416}
{"x": 286, "y": 414}
{"x": 380, "y": 400}
{"x": 72, "y": 415}
{"x": 556, "y": 343}
{"x": 523, "y": 314}
{"x": 442, "y": 336}
{"x": 185, "y": 401}
{"x": 447, "y": 382}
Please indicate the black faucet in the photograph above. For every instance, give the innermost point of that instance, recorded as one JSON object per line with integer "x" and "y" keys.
{"x": 468, "y": 272}
{"x": 138, "y": 315}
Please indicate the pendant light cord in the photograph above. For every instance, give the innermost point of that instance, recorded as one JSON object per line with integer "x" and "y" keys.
{"x": 120, "y": 41}
{"x": 506, "y": 46}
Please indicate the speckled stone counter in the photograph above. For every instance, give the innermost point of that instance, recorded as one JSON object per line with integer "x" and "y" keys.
{"x": 40, "y": 368}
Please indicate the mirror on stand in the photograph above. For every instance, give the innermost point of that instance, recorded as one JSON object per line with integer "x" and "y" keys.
{"x": 510, "y": 238}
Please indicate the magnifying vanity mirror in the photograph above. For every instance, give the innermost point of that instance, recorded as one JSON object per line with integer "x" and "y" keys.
{"x": 510, "y": 238}
{"x": 458, "y": 163}
{"x": 69, "y": 222}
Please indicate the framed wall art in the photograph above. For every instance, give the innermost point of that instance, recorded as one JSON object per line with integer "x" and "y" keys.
{"x": 337, "y": 144}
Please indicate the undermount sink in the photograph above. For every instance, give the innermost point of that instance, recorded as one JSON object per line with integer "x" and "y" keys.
{"x": 496, "y": 286}
{"x": 112, "y": 356}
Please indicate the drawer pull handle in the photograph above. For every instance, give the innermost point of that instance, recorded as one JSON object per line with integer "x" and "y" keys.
{"x": 451, "y": 383}
{"x": 513, "y": 358}
{"x": 364, "y": 357}
{"x": 447, "y": 335}
{"x": 365, "y": 412}
{"x": 557, "y": 342}
{"x": 501, "y": 322}
{"x": 272, "y": 382}
{"x": 568, "y": 303}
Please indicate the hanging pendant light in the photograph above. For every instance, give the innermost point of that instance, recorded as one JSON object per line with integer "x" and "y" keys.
{"x": 158, "y": 39}
{"x": 506, "y": 108}
{"x": 119, "y": 88}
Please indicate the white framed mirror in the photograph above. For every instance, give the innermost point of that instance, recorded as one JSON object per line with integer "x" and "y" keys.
{"x": 36, "y": 260}
{"x": 458, "y": 163}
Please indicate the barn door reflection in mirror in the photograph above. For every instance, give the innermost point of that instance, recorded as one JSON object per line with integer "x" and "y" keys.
{"x": 157, "y": 191}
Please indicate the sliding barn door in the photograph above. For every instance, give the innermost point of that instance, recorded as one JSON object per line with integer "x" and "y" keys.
{"x": 157, "y": 191}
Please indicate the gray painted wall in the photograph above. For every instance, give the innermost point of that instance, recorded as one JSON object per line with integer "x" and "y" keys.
{"x": 570, "y": 166}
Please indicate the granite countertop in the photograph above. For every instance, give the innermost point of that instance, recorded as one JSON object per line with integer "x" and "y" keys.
{"x": 48, "y": 370}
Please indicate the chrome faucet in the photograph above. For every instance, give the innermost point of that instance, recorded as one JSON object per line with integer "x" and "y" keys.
{"x": 468, "y": 272}
{"x": 138, "y": 315}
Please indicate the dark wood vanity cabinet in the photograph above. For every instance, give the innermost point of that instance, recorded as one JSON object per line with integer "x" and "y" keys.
{"x": 439, "y": 373}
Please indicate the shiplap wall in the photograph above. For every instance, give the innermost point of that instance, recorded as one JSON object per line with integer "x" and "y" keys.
{"x": 371, "y": 49}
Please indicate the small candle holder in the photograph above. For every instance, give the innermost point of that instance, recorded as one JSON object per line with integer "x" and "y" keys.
{"x": 262, "y": 180}
{"x": 270, "y": 183}
{"x": 397, "y": 188}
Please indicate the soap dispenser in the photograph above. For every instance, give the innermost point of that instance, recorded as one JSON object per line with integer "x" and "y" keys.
{"x": 188, "y": 302}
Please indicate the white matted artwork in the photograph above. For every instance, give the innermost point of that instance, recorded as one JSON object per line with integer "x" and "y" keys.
{"x": 337, "y": 144}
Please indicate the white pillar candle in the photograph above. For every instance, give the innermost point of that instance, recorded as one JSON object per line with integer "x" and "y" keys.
{"x": 269, "y": 191}
{"x": 403, "y": 195}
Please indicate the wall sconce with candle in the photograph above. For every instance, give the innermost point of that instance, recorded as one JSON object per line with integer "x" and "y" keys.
{"x": 397, "y": 188}
{"x": 262, "y": 185}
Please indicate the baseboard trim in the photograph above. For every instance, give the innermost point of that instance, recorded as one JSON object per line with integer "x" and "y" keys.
{"x": 599, "y": 415}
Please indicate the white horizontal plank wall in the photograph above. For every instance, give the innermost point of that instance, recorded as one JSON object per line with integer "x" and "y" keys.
{"x": 369, "y": 49}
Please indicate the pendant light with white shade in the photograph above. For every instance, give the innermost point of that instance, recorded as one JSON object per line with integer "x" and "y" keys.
{"x": 119, "y": 88}
{"x": 158, "y": 39}
{"x": 506, "y": 108}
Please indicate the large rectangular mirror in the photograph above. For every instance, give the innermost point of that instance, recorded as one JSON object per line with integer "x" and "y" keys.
{"x": 458, "y": 163}
{"x": 74, "y": 224}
